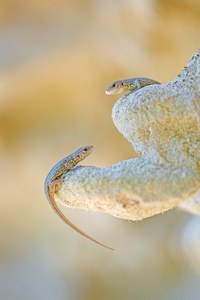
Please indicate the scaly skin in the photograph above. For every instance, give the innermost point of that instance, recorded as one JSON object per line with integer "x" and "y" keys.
{"x": 54, "y": 179}
{"x": 127, "y": 86}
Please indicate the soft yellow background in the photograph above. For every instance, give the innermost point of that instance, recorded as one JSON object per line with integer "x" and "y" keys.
{"x": 56, "y": 59}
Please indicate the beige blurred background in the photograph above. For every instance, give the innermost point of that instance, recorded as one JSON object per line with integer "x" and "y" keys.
{"x": 56, "y": 59}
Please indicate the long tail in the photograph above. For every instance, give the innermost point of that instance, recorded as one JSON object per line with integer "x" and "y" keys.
{"x": 55, "y": 207}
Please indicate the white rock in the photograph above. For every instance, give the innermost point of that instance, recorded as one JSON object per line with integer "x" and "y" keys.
{"x": 162, "y": 122}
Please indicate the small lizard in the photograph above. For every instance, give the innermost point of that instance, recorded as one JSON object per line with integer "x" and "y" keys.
{"x": 127, "y": 86}
{"x": 54, "y": 179}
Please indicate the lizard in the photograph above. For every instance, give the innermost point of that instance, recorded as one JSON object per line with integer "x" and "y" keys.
{"x": 126, "y": 86}
{"x": 55, "y": 178}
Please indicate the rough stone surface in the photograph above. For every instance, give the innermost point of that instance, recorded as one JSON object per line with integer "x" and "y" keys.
{"x": 162, "y": 122}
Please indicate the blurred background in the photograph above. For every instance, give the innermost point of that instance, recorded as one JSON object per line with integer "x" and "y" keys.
{"x": 56, "y": 59}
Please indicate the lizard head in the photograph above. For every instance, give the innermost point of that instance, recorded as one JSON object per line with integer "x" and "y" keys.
{"x": 119, "y": 87}
{"x": 116, "y": 87}
{"x": 81, "y": 154}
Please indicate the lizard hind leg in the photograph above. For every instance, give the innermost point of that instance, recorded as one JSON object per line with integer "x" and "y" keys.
{"x": 138, "y": 84}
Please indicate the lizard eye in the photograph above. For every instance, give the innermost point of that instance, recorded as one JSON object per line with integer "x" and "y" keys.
{"x": 114, "y": 85}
